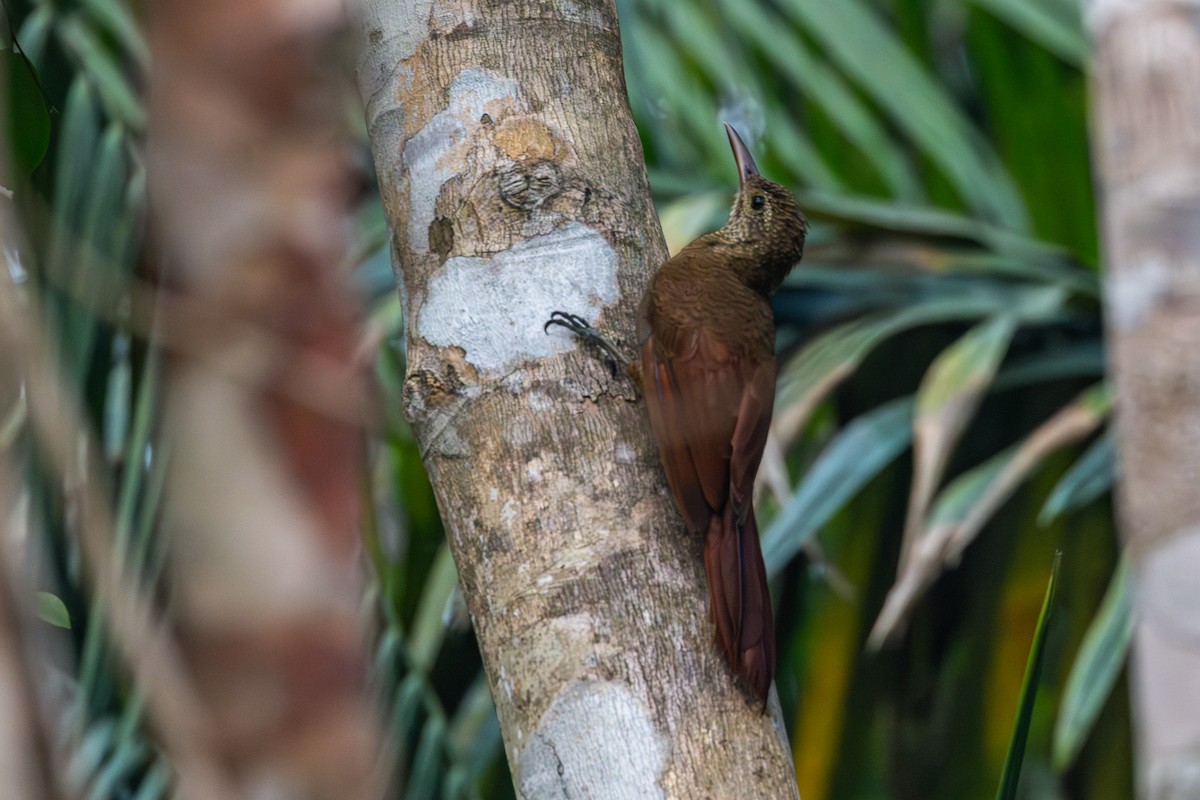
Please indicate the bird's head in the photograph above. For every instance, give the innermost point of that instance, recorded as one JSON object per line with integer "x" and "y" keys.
{"x": 766, "y": 220}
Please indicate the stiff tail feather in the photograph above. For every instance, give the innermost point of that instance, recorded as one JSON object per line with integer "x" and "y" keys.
{"x": 740, "y": 600}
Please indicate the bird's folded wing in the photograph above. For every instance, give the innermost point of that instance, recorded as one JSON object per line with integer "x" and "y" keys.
{"x": 710, "y": 409}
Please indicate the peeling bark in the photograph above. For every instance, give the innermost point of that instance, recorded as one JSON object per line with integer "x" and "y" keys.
{"x": 513, "y": 179}
{"x": 1147, "y": 120}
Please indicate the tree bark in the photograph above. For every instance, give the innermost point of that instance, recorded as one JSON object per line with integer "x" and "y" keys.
{"x": 513, "y": 179}
{"x": 1147, "y": 123}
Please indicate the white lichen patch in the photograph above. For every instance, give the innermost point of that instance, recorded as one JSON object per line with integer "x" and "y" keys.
{"x": 573, "y": 752}
{"x": 583, "y": 14}
{"x": 1170, "y": 593}
{"x": 533, "y": 471}
{"x": 494, "y": 308}
{"x": 1134, "y": 293}
{"x": 509, "y": 513}
{"x": 393, "y": 32}
{"x": 430, "y": 156}
{"x": 539, "y": 401}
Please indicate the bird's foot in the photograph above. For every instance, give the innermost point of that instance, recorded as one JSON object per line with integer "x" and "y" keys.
{"x": 581, "y": 328}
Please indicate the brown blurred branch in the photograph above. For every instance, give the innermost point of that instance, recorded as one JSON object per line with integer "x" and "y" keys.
{"x": 251, "y": 181}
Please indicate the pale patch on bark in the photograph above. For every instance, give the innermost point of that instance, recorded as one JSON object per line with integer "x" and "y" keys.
{"x": 1133, "y": 294}
{"x": 429, "y": 155}
{"x": 494, "y": 308}
{"x": 394, "y": 32}
{"x": 565, "y": 758}
{"x": 1099, "y": 14}
{"x": 1165, "y": 655}
{"x": 1170, "y": 599}
{"x": 587, "y": 15}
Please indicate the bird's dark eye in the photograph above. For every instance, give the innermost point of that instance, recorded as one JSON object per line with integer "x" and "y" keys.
{"x": 757, "y": 202}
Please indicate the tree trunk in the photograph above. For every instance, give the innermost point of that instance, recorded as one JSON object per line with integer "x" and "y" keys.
{"x": 1147, "y": 121}
{"x": 252, "y": 187}
{"x": 513, "y": 179}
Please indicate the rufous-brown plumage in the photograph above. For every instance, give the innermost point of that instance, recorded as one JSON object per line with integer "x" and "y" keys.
{"x": 708, "y": 374}
{"x": 707, "y": 370}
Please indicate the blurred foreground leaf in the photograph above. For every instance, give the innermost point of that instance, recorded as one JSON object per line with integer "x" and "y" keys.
{"x": 1097, "y": 666}
{"x": 51, "y": 609}
{"x": 1011, "y": 775}
{"x": 27, "y": 120}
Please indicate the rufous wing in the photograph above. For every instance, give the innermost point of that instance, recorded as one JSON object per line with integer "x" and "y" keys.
{"x": 710, "y": 410}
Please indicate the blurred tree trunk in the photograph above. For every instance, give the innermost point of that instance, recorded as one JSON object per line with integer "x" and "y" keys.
{"x": 1147, "y": 122}
{"x": 251, "y": 185}
{"x": 513, "y": 179}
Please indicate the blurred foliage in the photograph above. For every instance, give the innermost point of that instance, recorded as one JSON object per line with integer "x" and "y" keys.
{"x": 74, "y": 123}
{"x": 948, "y": 307}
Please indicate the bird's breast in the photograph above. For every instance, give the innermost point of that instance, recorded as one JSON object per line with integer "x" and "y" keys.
{"x": 686, "y": 297}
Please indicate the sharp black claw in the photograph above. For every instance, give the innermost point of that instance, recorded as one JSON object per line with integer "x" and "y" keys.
{"x": 584, "y": 330}
{"x": 572, "y": 322}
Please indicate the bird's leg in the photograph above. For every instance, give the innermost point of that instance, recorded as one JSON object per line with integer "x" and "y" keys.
{"x": 580, "y": 327}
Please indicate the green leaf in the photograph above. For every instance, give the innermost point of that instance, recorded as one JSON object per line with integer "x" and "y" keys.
{"x": 971, "y": 499}
{"x": 429, "y": 626}
{"x": 129, "y": 756}
{"x": 426, "y": 772}
{"x": 690, "y": 215}
{"x": 854, "y": 37}
{"x": 28, "y": 120}
{"x": 1097, "y": 666}
{"x": 35, "y": 30}
{"x": 855, "y": 456}
{"x": 120, "y": 101}
{"x": 13, "y": 422}
{"x": 1091, "y": 476}
{"x": 407, "y": 704}
{"x": 75, "y": 150}
{"x": 960, "y": 373}
{"x": 1062, "y": 35}
{"x": 1011, "y": 774}
{"x": 780, "y": 43}
{"x": 1084, "y": 359}
{"x": 950, "y": 392}
{"x": 811, "y": 374}
{"x": 89, "y": 756}
{"x": 156, "y": 784}
{"x": 115, "y": 16}
{"x": 922, "y": 220}
{"x": 475, "y": 731}
{"x": 52, "y": 610}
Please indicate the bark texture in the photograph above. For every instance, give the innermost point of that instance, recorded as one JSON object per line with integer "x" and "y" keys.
{"x": 1147, "y": 121}
{"x": 513, "y": 179}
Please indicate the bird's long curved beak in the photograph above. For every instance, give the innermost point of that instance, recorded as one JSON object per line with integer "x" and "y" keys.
{"x": 741, "y": 154}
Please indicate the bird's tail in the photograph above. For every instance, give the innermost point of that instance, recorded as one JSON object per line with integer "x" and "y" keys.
{"x": 739, "y": 599}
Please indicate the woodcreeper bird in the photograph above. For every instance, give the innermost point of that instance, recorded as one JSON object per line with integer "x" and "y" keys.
{"x": 707, "y": 372}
